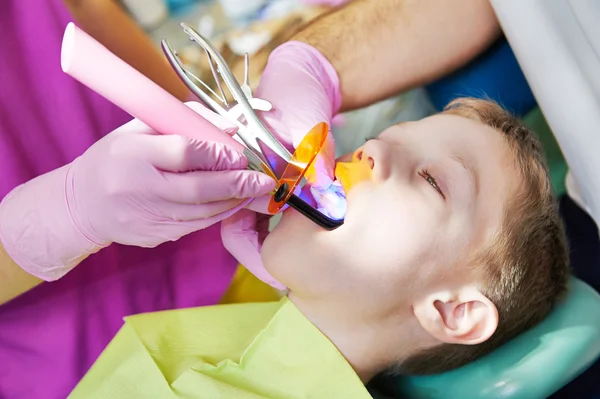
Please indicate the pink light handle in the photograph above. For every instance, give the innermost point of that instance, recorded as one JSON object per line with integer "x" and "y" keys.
{"x": 92, "y": 64}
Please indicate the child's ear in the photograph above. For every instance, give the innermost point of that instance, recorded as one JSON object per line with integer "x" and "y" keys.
{"x": 465, "y": 317}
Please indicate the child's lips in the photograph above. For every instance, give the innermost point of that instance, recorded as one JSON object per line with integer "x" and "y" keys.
{"x": 350, "y": 174}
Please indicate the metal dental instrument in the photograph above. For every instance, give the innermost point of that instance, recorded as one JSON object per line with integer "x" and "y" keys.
{"x": 254, "y": 130}
{"x": 264, "y": 151}
{"x": 246, "y": 86}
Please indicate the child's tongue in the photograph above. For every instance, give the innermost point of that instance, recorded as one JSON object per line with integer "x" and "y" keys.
{"x": 331, "y": 200}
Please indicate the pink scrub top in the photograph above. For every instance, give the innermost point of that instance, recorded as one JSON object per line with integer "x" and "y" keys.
{"x": 51, "y": 335}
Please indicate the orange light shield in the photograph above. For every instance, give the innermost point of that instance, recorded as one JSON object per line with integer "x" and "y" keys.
{"x": 300, "y": 165}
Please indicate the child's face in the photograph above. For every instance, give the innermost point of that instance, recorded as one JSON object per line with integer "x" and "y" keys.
{"x": 437, "y": 194}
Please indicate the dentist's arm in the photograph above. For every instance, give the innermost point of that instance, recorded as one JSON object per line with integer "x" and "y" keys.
{"x": 106, "y": 21}
{"x": 380, "y": 48}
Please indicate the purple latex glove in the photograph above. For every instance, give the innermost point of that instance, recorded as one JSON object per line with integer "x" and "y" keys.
{"x": 132, "y": 187}
{"x": 303, "y": 88}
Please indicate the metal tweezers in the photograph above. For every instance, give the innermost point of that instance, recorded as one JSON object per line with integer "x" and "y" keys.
{"x": 252, "y": 132}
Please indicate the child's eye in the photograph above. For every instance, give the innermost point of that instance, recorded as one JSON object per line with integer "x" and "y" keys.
{"x": 425, "y": 175}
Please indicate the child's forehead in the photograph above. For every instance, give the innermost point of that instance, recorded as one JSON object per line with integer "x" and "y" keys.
{"x": 400, "y": 127}
{"x": 446, "y": 127}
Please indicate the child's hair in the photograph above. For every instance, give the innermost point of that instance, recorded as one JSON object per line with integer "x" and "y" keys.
{"x": 528, "y": 264}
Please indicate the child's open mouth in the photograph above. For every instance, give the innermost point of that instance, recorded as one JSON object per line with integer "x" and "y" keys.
{"x": 331, "y": 201}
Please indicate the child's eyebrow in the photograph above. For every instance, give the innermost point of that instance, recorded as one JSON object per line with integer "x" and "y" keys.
{"x": 471, "y": 173}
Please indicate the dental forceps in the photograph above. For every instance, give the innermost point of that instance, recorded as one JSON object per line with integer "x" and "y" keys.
{"x": 264, "y": 151}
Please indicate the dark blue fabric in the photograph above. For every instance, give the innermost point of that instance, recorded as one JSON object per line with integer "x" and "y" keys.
{"x": 585, "y": 262}
{"x": 495, "y": 75}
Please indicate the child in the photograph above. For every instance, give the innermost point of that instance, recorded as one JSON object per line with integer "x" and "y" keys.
{"x": 453, "y": 247}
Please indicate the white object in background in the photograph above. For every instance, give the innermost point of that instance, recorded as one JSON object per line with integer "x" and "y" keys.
{"x": 557, "y": 44}
{"x": 248, "y": 42}
{"x": 240, "y": 9}
{"x": 206, "y": 26}
{"x": 281, "y": 8}
{"x": 148, "y": 13}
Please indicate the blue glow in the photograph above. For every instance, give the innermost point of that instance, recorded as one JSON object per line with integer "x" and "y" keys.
{"x": 331, "y": 201}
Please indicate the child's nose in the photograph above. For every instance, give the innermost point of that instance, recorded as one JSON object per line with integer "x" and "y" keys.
{"x": 377, "y": 156}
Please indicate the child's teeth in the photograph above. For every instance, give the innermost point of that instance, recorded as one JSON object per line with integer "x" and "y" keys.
{"x": 331, "y": 201}
{"x": 336, "y": 186}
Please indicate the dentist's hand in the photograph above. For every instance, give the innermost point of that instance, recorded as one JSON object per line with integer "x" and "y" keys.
{"x": 304, "y": 90}
{"x": 132, "y": 187}
{"x": 243, "y": 234}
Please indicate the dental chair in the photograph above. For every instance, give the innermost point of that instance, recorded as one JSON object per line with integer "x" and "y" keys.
{"x": 533, "y": 365}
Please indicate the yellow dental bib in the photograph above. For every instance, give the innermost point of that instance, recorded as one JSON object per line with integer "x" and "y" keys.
{"x": 240, "y": 351}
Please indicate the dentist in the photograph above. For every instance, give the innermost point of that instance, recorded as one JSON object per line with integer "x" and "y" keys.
{"x": 115, "y": 223}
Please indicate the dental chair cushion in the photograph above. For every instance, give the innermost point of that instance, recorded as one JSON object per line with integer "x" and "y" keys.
{"x": 534, "y": 365}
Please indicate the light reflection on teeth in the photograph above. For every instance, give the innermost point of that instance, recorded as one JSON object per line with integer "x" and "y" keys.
{"x": 331, "y": 201}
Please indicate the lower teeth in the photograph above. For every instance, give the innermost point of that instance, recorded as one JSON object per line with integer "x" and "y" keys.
{"x": 331, "y": 201}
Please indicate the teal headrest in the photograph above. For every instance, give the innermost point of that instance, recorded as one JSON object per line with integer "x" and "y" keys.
{"x": 534, "y": 365}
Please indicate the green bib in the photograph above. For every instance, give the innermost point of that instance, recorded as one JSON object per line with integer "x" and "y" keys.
{"x": 241, "y": 351}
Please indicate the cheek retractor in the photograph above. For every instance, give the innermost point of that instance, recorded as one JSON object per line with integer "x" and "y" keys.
{"x": 350, "y": 174}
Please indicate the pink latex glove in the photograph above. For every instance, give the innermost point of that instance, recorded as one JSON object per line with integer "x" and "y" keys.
{"x": 243, "y": 234}
{"x": 304, "y": 89}
{"x": 133, "y": 187}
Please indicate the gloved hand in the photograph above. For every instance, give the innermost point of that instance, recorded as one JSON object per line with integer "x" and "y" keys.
{"x": 303, "y": 88}
{"x": 243, "y": 234}
{"x": 132, "y": 187}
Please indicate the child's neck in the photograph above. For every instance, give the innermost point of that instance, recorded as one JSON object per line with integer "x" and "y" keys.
{"x": 369, "y": 344}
